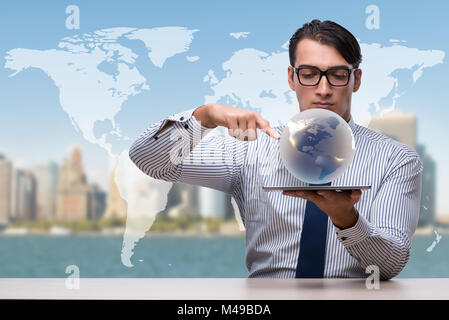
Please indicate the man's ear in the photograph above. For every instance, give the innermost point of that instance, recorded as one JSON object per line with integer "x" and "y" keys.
{"x": 358, "y": 80}
{"x": 291, "y": 73}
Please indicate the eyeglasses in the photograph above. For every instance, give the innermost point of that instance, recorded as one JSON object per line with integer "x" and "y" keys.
{"x": 311, "y": 75}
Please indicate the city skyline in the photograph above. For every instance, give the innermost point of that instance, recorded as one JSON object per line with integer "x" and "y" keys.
{"x": 60, "y": 192}
{"x": 48, "y": 191}
{"x": 396, "y": 124}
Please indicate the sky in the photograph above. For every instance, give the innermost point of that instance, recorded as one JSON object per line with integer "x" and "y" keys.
{"x": 34, "y": 128}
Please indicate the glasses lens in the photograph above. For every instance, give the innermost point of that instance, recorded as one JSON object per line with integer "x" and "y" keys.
{"x": 309, "y": 76}
{"x": 338, "y": 77}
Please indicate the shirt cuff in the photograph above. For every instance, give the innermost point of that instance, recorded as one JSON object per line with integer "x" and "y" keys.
{"x": 185, "y": 125}
{"x": 357, "y": 233}
{"x": 182, "y": 116}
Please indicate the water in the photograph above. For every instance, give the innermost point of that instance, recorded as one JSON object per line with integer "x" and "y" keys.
{"x": 99, "y": 256}
{"x": 166, "y": 257}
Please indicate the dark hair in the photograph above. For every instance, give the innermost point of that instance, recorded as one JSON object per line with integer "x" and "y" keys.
{"x": 331, "y": 34}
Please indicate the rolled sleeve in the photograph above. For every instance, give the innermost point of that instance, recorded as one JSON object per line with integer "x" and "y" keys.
{"x": 182, "y": 153}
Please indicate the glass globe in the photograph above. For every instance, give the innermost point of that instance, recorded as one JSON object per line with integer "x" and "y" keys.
{"x": 317, "y": 146}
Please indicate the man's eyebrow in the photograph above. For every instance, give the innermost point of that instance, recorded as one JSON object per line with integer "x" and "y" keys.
{"x": 306, "y": 65}
{"x": 310, "y": 66}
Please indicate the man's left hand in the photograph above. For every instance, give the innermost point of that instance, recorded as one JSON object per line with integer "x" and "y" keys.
{"x": 339, "y": 206}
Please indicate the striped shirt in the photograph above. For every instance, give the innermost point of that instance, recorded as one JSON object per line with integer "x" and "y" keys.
{"x": 388, "y": 212}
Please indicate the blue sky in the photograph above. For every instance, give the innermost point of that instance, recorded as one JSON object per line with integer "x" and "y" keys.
{"x": 34, "y": 128}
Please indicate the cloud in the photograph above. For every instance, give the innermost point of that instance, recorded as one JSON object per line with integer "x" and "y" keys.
{"x": 238, "y": 35}
{"x": 192, "y": 59}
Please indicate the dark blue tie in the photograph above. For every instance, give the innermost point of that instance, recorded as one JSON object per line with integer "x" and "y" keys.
{"x": 313, "y": 242}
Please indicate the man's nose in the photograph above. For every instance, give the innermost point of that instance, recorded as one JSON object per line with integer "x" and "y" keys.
{"x": 323, "y": 88}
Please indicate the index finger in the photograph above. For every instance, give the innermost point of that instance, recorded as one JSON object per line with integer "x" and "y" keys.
{"x": 264, "y": 125}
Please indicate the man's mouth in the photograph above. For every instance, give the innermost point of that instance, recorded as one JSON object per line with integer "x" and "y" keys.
{"x": 324, "y": 105}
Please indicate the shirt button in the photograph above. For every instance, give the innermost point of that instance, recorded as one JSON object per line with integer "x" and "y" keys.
{"x": 186, "y": 126}
{"x": 155, "y": 137}
{"x": 182, "y": 118}
{"x": 344, "y": 238}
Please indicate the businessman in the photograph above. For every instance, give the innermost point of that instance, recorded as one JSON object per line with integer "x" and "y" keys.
{"x": 299, "y": 234}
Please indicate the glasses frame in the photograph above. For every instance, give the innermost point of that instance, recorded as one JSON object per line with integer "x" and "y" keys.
{"x": 324, "y": 73}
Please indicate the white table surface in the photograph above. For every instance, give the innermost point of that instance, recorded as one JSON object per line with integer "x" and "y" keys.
{"x": 222, "y": 289}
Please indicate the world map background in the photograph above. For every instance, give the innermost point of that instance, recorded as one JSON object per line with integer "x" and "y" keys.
{"x": 202, "y": 62}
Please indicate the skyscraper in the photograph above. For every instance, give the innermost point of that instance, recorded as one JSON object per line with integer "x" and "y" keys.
{"x": 5, "y": 189}
{"x": 428, "y": 200}
{"x": 402, "y": 127}
{"x": 115, "y": 206}
{"x": 398, "y": 125}
{"x": 187, "y": 200}
{"x": 74, "y": 194}
{"x": 23, "y": 204}
{"x": 212, "y": 203}
{"x": 47, "y": 181}
{"x": 196, "y": 200}
{"x": 98, "y": 202}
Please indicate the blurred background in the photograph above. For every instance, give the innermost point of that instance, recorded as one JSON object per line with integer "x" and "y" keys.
{"x": 80, "y": 80}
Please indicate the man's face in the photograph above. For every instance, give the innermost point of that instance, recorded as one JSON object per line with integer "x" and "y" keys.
{"x": 323, "y": 95}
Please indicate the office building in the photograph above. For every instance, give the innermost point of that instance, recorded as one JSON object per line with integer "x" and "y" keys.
{"x": 427, "y": 214}
{"x": 5, "y": 189}
{"x": 98, "y": 203}
{"x": 23, "y": 204}
{"x": 76, "y": 199}
{"x": 47, "y": 182}
{"x": 402, "y": 127}
{"x": 183, "y": 199}
{"x": 115, "y": 206}
{"x": 212, "y": 203}
{"x": 397, "y": 125}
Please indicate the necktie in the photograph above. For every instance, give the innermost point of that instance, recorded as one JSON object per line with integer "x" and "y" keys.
{"x": 313, "y": 242}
